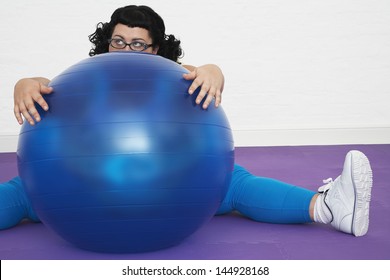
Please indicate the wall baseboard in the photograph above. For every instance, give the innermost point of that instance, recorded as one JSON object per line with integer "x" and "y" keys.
{"x": 303, "y": 137}
{"x": 279, "y": 137}
{"x": 8, "y": 143}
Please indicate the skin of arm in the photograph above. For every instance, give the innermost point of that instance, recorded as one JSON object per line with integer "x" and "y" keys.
{"x": 211, "y": 81}
{"x": 27, "y": 91}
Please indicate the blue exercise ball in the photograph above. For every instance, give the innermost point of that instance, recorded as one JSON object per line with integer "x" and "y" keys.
{"x": 125, "y": 161}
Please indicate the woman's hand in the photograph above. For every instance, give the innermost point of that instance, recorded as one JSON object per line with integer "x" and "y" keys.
{"x": 210, "y": 79}
{"x": 28, "y": 91}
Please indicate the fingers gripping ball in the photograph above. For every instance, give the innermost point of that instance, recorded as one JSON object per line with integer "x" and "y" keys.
{"x": 124, "y": 160}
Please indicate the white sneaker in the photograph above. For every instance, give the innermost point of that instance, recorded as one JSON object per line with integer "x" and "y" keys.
{"x": 348, "y": 197}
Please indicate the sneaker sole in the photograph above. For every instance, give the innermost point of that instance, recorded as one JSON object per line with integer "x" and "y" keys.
{"x": 362, "y": 181}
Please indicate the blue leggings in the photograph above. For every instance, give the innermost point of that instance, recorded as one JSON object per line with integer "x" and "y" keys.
{"x": 14, "y": 204}
{"x": 265, "y": 199}
{"x": 258, "y": 198}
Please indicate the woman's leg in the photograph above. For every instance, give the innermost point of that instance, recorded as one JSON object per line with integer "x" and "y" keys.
{"x": 344, "y": 202}
{"x": 14, "y": 204}
{"x": 267, "y": 200}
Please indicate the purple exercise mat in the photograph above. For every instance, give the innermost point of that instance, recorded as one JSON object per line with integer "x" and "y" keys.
{"x": 235, "y": 237}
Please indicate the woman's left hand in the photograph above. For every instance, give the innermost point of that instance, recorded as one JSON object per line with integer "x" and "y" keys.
{"x": 210, "y": 79}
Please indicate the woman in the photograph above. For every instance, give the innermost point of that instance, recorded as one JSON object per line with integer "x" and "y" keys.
{"x": 344, "y": 203}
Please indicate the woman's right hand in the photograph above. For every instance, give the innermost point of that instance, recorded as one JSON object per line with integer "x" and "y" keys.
{"x": 27, "y": 92}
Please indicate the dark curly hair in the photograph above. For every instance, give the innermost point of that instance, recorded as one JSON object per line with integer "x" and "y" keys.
{"x": 137, "y": 16}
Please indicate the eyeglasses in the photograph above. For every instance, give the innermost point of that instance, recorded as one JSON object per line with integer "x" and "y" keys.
{"x": 137, "y": 46}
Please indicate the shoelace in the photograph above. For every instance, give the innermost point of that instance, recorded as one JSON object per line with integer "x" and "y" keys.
{"x": 324, "y": 189}
{"x": 328, "y": 185}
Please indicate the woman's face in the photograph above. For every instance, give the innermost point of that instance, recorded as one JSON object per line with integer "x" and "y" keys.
{"x": 131, "y": 34}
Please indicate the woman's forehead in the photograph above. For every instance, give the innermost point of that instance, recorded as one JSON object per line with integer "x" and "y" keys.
{"x": 130, "y": 32}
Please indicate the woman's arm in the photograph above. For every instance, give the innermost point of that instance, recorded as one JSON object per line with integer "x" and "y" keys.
{"x": 211, "y": 81}
{"x": 27, "y": 91}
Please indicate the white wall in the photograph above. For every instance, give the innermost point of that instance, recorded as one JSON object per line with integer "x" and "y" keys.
{"x": 297, "y": 72}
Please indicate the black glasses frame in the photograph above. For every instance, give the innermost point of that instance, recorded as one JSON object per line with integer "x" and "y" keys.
{"x": 131, "y": 45}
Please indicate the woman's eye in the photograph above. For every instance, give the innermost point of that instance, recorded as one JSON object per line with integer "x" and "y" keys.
{"x": 119, "y": 42}
{"x": 137, "y": 44}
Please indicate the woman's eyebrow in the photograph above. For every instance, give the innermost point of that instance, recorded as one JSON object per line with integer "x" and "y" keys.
{"x": 116, "y": 35}
{"x": 123, "y": 38}
{"x": 138, "y": 39}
